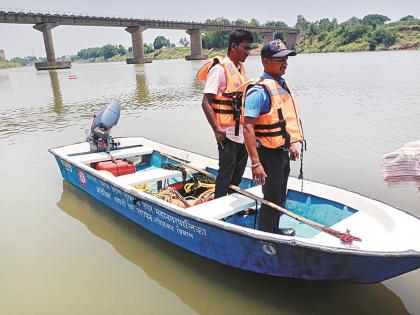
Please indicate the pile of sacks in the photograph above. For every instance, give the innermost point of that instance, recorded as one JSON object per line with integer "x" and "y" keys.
{"x": 402, "y": 167}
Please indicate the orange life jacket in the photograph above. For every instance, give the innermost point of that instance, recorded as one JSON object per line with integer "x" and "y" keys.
{"x": 227, "y": 106}
{"x": 281, "y": 126}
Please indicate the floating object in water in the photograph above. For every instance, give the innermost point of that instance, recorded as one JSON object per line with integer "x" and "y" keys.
{"x": 402, "y": 167}
{"x": 72, "y": 77}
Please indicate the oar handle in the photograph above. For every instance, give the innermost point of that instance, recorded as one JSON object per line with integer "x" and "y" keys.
{"x": 344, "y": 237}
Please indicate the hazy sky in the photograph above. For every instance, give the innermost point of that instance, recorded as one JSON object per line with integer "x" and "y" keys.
{"x": 23, "y": 40}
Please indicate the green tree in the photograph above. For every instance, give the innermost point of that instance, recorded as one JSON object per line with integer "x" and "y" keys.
{"x": 109, "y": 51}
{"x": 148, "y": 48}
{"x": 302, "y": 25}
{"x": 375, "y": 20}
{"x": 407, "y": 18}
{"x": 184, "y": 42}
{"x": 384, "y": 36}
{"x": 161, "y": 42}
{"x": 353, "y": 32}
{"x": 121, "y": 50}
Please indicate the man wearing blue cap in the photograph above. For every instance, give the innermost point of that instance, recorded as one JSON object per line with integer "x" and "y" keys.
{"x": 271, "y": 127}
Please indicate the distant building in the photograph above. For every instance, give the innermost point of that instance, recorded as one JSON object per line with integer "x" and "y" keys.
{"x": 2, "y": 55}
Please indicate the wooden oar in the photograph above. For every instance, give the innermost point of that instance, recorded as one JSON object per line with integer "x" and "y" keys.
{"x": 344, "y": 237}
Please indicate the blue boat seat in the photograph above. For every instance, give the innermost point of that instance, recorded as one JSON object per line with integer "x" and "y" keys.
{"x": 116, "y": 154}
{"x": 225, "y": 206}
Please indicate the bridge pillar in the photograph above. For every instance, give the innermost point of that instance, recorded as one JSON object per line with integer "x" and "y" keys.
{"x": 268, "y": 36}
{"x": 138, "y": 46}
{"x": 292, "y": 39}
{"x": 196, "y": 46}
{"x": 51, "y": 63}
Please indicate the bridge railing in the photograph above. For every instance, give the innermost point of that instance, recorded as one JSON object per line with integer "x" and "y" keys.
{"x": 145, "y": 21}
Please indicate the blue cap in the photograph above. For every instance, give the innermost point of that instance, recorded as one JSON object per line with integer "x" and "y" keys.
{"x": 276, "y": 49}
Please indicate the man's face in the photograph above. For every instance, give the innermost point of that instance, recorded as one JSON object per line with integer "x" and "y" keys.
{"x": 275, "y": 66}
{"x": 242, "y": 50}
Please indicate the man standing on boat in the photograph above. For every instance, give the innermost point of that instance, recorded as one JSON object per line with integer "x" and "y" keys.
{"x": 222, "y": 108}
{"x": 271, "y": 127}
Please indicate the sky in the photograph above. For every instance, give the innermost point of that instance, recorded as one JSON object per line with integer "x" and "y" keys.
{"x": 22, "y": 40}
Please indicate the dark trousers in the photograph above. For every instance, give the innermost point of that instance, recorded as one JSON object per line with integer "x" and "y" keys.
{"x": 276, "y": 164}
{"x": 232, "y": 163}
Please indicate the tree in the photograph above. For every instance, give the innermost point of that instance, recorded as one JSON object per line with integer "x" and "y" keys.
{"x": 184, "y": 42}
{"x": 161, "y": 42}
{"x": 276, "y": 24}
{"x": 384, "y": 36}
{"x": 375, "y": 20}
{"x": 240, "y": 22}
{"x": 407, "y": 18}
{"x": 121, "y": 50}
{"x": 353, "y": 32}
{"x": 148, "y": 48}
{"x": 109, "y": 51}
{"x": 302, "y": 24}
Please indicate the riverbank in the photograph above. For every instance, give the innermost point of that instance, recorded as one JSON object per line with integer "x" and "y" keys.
{"x": 4, "y": 64}
{"x": 409, "y": 39}
{"x": 389, "y": 37}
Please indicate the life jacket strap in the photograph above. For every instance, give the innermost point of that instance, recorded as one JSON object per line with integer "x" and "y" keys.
{"x": 223, "y": 102}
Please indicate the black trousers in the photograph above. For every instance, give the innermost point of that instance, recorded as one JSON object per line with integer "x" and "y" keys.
{"x": 276, "y": 163}
{"x": 232, "y": 163}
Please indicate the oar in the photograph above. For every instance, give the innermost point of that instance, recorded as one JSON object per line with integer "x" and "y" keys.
{"x": 344, "y": 237}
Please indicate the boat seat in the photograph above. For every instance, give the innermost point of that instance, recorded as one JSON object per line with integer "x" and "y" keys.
{"x": 116, "y": 154}
{"x": 155, "y": 174}
{"x": 225, "y": 206}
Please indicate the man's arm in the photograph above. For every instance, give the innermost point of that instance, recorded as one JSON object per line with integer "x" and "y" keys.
{"x": 258, "y": 173}
{"x": 255, "y": 97}
{"x": 219, "y": 133}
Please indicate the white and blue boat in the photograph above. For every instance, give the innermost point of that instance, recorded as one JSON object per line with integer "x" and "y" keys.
{"x": 224, "y": 230}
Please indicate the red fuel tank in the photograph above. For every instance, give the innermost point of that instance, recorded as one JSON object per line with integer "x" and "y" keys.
{"x": 117, "y": 168}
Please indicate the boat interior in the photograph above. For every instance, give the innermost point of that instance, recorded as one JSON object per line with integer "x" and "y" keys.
{"x": 147, "y": 170}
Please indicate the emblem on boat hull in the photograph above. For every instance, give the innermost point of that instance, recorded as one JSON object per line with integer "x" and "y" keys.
{"x": 82, "y": 178}
{"x": 268, "y": 249}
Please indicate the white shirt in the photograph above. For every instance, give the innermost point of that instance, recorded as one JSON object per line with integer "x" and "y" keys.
{"x": 216, "y": 82}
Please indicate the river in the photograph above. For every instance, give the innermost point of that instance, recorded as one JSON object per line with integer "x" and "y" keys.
{"x": 62, "y": 252}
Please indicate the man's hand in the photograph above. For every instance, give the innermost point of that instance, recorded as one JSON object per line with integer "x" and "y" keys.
{"x": 258, "y": 174}
{"x": 294, "y": 153}
{"x": 220, "y": 135}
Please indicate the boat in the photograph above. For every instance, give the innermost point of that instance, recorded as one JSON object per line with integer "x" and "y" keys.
{"x": 386, "y": 240}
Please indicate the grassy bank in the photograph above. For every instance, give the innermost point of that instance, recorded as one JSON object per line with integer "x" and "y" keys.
{"x": 357, "y": 36}
{"x": 4, "y": 64}
{"x": 159, "y": 54}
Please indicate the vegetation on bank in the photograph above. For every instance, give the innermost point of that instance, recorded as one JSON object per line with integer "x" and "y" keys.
{"x": 372, "y": 32}
{"x": 4, "y": 64}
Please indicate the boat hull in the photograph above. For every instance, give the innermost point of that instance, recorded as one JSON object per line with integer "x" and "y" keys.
{"x": 237, "y": 248}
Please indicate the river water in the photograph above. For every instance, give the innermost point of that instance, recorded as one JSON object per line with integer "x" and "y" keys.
{"x": 63, "y": 252}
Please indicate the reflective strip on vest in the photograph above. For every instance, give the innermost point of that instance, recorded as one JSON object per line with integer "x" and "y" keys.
{"x": 223, "y": 105}
{"x": 281, "y": 125}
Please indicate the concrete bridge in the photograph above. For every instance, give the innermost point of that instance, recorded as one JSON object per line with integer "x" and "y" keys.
{"x": 45, "y": 22}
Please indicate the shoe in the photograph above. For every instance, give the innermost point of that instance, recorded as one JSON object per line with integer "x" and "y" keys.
{"x": 249, "y": 211}
{"x": 286, "y": 231}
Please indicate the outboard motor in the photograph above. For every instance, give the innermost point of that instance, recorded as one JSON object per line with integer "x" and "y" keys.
{"x": 99, "y": 138}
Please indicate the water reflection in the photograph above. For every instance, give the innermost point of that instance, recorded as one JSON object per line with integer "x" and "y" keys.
{"x": 56, "y": 92}
{"x": 142, "y": 90}
{"x": 193, "y": 278}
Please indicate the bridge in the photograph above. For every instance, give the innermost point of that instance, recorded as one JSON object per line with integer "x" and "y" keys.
{"x": 45, "y": 22}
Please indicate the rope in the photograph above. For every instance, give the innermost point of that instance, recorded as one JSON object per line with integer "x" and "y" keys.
{"x": 300, "y": 176}
{"x": 170, "y": 194}
{"x": 144, "y": 187}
